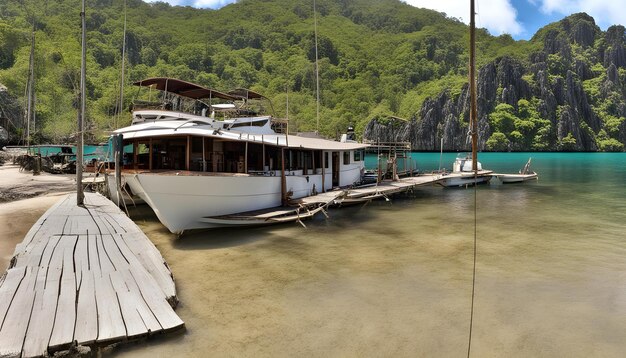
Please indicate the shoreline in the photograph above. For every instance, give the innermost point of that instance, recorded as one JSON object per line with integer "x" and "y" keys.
{"x": 17, "y": 185}
{"x": 23, "y": 199}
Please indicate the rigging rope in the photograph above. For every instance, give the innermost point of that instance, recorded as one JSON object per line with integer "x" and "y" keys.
{"x": 469, "y": 343}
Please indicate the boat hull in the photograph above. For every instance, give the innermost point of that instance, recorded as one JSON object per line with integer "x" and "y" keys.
{"x": 464, "y": 179}
{"x": 183, "y": 202}
{"x": 517, "y": 178}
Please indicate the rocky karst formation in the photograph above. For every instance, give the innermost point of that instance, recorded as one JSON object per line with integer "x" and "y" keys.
{"x": 576, "y": 82}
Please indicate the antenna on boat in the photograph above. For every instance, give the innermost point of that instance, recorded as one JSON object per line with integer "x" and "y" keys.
{"x": 317, "y": 72}
{"x": 121, "y": 105}
{"x": 80, "y": 195}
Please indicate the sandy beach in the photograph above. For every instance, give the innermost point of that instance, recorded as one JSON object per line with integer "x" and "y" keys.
{"x": 23, "y": 199}
{"x": 16, "y": 185}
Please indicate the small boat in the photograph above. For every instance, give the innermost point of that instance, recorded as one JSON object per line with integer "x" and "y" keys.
{"x": 525, "y": 174}
{"x": 463, "y": 175}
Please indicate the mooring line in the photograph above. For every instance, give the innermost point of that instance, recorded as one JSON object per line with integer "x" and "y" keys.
{"x": 469, "y": 343}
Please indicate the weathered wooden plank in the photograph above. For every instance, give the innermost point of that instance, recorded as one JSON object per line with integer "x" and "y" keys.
{"x": 81, "y": 258}
{"x": 75, "y": 283}
{"x": 153, "y": 296}
{"x": 86, "y": 312}
{"x": 93, "y": 256}
{"x": 37, "y": 226}
{"x": 53, "y": 225}
{"x": 137, "y": 301}
{"x": 110, "y": 323}
{"x": 104, "y": 226}
{"x": 65, "y": 318}
{"x": 160, "y": 274}
{"x": 128, "y": 306}
{"x": 17, "y": 316}
{"x": 105, "y": 261}
{"x": 8, "y": 288}
{"x": 44, "y": 308}
{"x": 113, "y": 252}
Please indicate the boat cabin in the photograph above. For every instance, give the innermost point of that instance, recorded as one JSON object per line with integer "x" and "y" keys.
{"x": 253, "y": 155}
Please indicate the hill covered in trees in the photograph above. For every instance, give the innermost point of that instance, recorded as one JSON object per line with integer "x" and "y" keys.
{"x": 562, "y": 90}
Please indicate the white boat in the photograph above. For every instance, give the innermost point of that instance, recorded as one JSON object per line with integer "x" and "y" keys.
{"x": 463, "y": 175}
{"x": 192, "y": 169}
{"x": 525, "y": 174}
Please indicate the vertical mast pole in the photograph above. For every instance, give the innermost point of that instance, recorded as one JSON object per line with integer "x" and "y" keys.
{"x": 30, "y": 84}
{"x": 80, "y": 196}
{"x": 317, "y": 72}
{"x": 472, "y": 80}
{"x": 119, "y": 110}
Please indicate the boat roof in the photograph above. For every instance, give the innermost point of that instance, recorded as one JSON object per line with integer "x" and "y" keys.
{"x": 174, "y": 128}
{"x": 183, "y": 88}
{"x": 245, "y": 93}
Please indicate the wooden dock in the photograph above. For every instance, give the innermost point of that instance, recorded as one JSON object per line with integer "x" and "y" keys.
{"x": 85, "y": 275}
{"x": 386, "y": 188}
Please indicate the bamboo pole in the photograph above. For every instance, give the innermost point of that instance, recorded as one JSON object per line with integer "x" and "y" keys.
{"x": 283, "y": 179}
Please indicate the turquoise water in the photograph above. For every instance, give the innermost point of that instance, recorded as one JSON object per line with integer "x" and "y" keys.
{"x": 394, "y": 278}
{"x": 89, "y": 151}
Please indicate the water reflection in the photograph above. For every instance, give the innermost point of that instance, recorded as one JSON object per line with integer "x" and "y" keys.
{"x": 393, "y": 278}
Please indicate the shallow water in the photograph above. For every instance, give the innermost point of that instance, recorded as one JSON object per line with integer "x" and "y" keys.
{"x": 394, "y": 278}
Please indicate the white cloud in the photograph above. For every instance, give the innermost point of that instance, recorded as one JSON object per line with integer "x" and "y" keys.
{"x": 605, "y": 12}
{"x": 213, "y": 4}
{"x": 497, "y": 16}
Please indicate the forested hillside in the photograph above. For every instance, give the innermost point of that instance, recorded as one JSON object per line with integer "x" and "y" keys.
{"x": 562, "y": 90}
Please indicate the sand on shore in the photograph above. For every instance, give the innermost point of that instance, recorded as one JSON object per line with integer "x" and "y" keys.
{"x": 16, "y": 184}
{"x": 16, "y": 218}
{"x": 24, "y": 197}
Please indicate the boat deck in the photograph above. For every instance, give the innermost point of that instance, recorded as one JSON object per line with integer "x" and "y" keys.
{"x": 87, "y": 275}
{"x": 388, "y": 187}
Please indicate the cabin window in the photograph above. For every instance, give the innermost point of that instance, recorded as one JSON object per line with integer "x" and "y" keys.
{"x": 143, "y": 155}
{"x": 346, "y": 158}
{"x": 248, "y": 124}
{"x": 127, "y": 155}
{"x": 196, "y": 161}
{"x": 358, "y": 155}
{"x": 326, "y": 160}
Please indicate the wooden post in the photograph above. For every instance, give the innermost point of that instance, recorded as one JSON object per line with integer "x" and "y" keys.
{"x": 151, "y": 154}
{"x": 119, "y": 162}
{"x": 135, "y": 150}
{"x": 263, "y": 141}
{"x": 188, "y": 153}
{"x": 245, "y": 159}
{"x": 80, "y": 195}
{"x": 203, "y": 154}
{"x": 283, "y": 179}
{"x": 323, "y": 172}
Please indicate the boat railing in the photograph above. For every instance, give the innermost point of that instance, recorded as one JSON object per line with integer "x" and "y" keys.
{"x": 387, "y": 147}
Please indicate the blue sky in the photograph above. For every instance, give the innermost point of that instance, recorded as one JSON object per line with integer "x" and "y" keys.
{"x": 519, "y": 18}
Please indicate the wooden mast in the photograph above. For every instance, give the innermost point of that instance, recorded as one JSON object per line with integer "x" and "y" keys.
{"x": 29, "y": 87}
{"x": 121, "y": 104}
{"x": 317, "y": 73}
{"x": 80, "y": 196}
{"x": 472, "y": 81}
